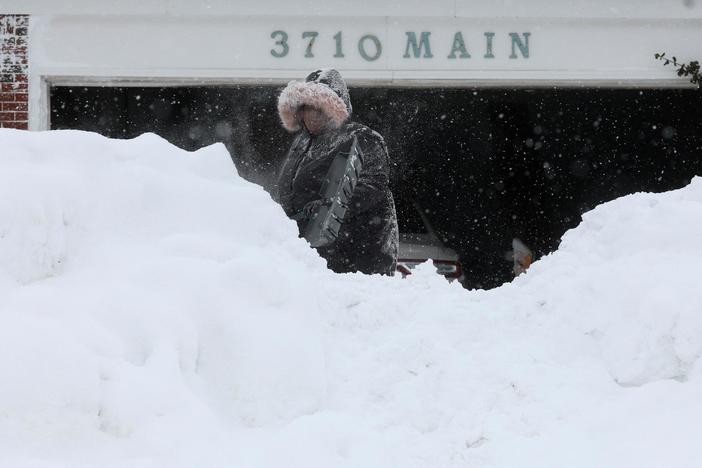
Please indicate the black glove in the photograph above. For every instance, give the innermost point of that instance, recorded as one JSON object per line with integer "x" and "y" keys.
{"x": 311, "y": 208}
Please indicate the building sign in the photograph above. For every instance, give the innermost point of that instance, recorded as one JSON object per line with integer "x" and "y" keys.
{"x": 367, "y": 49}
{"x": 418, "y": 45}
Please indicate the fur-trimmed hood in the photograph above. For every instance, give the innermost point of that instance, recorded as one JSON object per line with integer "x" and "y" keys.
{"x": 323, "y": 89}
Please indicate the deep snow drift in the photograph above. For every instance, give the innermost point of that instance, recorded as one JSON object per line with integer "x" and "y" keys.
{"x": 158, "y": 311}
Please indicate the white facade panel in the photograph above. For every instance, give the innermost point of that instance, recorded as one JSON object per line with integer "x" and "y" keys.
{"x": 581, "y": 9}
{"x": 363, "y": 8}
{"x": 576, "y": 9}
{"x": 84, "y": 7}
{"x": 436, "y": 48}
{"x": 474, "y": 49}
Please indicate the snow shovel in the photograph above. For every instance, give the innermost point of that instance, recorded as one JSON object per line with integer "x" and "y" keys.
{"x": 336, "y": 192}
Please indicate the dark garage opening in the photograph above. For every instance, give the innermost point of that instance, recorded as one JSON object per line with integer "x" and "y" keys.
{"x": 484, "y": 165}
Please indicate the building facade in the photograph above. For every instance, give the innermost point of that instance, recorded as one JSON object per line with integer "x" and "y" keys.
{"x": 14, "y": 71}
{"x": 410, "y": 43}
{"x": 504, "y": 120}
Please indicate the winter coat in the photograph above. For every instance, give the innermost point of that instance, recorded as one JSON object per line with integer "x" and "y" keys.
{"x": 368, "y": 238}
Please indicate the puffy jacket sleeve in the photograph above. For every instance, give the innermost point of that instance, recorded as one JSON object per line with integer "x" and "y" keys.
{"x": 282, "y": 192}
{"x": 373, "y": 181}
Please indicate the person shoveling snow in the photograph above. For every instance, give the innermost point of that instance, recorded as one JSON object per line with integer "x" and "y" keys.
{"x": 319, "y": 109}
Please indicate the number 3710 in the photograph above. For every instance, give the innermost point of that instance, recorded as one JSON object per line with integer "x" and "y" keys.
{"x": 369, "y": 46}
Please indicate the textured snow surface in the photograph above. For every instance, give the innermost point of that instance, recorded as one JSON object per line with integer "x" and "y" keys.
{"x": 158, "y": 311}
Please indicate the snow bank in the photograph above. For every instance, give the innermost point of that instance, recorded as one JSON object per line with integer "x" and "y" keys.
{"x": 157, "y": 310}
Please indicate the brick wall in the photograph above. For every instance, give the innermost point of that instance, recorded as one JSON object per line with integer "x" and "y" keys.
{"x": 13, "y": 71}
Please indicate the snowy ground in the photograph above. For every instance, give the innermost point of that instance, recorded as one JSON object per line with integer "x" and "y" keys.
{"x": 158, "y": 311}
